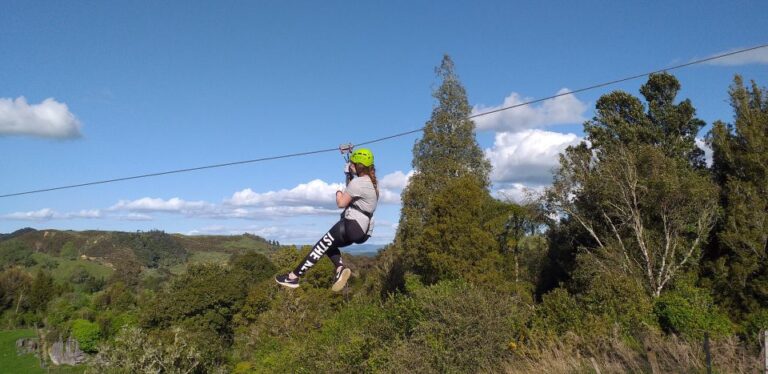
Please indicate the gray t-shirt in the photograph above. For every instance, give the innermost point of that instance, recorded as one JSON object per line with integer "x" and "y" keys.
{"x": 364, "y": 198}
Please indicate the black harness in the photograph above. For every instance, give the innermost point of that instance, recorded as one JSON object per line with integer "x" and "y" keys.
{"x": 343, "y": 228}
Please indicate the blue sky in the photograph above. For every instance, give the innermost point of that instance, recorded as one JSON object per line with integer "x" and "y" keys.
{"x": 99, "y": 90}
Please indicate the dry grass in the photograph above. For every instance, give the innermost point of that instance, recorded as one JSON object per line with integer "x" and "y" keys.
{"x": 672, "y": 355}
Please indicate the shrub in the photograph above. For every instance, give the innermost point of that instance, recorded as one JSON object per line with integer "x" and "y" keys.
{"x": 754, "y": 324}
{"x": 135, "y": 350}
{"x": 690, "y": 312}
{"x": 456, "y": 327}
{"x": 558, "y": 313}
{"x": 87, "y": 334}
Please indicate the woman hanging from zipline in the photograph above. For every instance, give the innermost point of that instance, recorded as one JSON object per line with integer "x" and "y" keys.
{"x": 359, "y": 201}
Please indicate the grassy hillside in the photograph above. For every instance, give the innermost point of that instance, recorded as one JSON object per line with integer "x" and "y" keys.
{"x": 62, "y": 269}
{"x": 106, "y": 250}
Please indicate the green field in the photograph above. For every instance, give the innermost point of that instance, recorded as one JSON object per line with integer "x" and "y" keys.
{"x": 10, "y": 362}
{"x": 63, "y": 271}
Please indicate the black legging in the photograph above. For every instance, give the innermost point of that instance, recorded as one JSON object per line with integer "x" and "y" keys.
{"x": 342, "y": 234}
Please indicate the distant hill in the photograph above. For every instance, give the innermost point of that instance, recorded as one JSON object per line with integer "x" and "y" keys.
{"x": 364, "y": 249}
{"x": 149, "y": 249}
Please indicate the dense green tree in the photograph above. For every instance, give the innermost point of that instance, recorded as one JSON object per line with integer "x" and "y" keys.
{"x": 154, "y": 248}
{"x": 635, "y": 185}
{"x": 42, "y": 290}
{"x": 204, "y": 298}
{"x": 254, "y": 266}
{"x": 739, "y": 253}
{"x": 446, "y": 160}
{"x": 14, "y": 288}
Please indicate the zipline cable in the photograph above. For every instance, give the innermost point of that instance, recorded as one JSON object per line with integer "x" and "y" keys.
{"x": 695, "y": 62}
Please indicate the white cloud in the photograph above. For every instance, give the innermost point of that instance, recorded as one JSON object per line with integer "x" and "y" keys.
{"x": 395, "y": 181}
{"x": 755, "y": 56}
{"x": 37, "y": 215}
{"x": 314, "y": 193}
{"x": 50, "y": 119}
{"x": 567, "y": 109}
{"x": 47, "y": 214}
{"x": 175, "y": 204}
{"x": 527, "y": 157}
{"x": 391, "y": 186}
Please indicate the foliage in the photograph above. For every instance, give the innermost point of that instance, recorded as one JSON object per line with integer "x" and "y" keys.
{"x": 116, "y": 297}
{"x": 135, "y": 350}
{"x": 755, "y": 324}
{"x": 14, "y": 252}
{"x": 558, "y": 313}
{"x": 690, "y": 312}
{"x": 154, "y": 248}
{"x": 206, "y": 297}
{"x": 41, "y": 291}
{"x": 255, "y": 267}
{"x": 87, "y": 334}
{"x": 14, "y": 288}
{"x": 455, "y": 327}
{"x": 635, "y": 185}
{"x": 739, "y": 254}
{"x": 69, "y": 251}
{"x": 447, "y": 161}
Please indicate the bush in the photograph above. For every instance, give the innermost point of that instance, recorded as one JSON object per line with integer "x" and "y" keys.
{"x": 754, "y": 324}
{"x": 690, "y": 312}
{"x": 87, "y": 334}
{"x": 135, "y": 350}
{"x": 558, "y": 313}
{"x": 456, "y": 327}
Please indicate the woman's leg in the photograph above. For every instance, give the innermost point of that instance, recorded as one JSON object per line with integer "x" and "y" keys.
{"x": 328, "y": 244}
{"x": 352, "y": 233}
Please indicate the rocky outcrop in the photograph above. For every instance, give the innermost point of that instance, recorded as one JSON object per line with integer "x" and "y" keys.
{"x": 66, "y": 353}
{"x": 27, "y": 345}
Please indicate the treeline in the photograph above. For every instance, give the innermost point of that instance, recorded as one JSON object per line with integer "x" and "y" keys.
{"x": 637, "y": 251}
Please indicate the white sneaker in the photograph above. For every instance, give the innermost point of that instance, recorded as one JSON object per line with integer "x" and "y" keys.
{"x": 341, "y": 279}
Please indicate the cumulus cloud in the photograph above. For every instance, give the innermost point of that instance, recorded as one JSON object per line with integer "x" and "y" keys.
{"x": 755, "y": 56}
{"x": 391, "y": 186}
{"x": 49, "y": 119}
{"x": 527, "y": 157}
{"x": 566, "y": 109}
{"x": 395, "y": 181}
{"x": 313, "y": 193}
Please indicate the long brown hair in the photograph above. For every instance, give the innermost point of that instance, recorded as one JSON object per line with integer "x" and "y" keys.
{"x": 370, "y": 171}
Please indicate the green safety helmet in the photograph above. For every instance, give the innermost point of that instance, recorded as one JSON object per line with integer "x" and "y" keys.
{"x": 362, "y": 156}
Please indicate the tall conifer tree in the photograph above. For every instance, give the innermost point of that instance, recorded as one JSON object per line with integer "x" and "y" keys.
{"x": 448, "y": 188}
{"x": 740, "y": 166}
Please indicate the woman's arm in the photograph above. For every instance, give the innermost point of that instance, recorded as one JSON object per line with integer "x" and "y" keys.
{"x": 343, "y": 199}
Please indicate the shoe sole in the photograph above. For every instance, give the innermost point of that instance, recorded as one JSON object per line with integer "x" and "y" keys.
{"x": 289, "y": 285}
{"x": 339, "y": 285}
